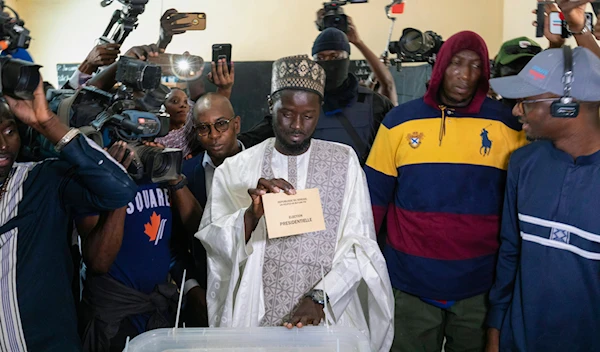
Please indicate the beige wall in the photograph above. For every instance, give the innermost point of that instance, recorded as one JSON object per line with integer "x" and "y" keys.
{"x": 12, "y": 3}
{"x": 65, "y": 30}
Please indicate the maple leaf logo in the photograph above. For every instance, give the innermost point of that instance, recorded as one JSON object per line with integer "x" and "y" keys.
{"x": 151, "y": 229}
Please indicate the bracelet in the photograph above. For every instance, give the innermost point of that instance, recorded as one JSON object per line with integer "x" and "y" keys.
{"x": 182, "y": 183}
{"x": 583, "y": 31}
{"x": 66, "y": 139}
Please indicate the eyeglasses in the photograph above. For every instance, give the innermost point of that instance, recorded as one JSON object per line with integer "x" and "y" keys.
{"x": 220, "y": 126}
{"x": 523, "y": 103}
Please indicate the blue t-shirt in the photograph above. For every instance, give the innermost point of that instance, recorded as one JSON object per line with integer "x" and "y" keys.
{"x": 144, "y": 258}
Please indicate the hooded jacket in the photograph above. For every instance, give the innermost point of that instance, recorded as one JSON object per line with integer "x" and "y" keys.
{"x": 462, "y": 41}
{"x": 438, "y": 173}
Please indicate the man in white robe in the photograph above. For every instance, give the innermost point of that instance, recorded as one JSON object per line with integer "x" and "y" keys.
{"x": 257, "y": 281}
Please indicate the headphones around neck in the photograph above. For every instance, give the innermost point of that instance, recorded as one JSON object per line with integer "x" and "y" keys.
{"x": 566, "y": 107}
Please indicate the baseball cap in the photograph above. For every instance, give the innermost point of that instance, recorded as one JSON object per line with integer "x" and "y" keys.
{"x": 544, "y": 74}
{"x": 517, "y": 48}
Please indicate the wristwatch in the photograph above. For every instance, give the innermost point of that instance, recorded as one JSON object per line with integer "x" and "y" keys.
{"x": 318, "y": 296}
{"x": 583, "y": 31}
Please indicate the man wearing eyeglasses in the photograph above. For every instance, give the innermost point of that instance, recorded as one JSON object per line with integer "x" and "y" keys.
{"x": 216, "y": 128}
{"x": 546, "y": 295}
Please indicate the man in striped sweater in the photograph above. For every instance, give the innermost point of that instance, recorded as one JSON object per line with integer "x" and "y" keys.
{"x": 443, "y": 198}
{"x": 37, "y": 201}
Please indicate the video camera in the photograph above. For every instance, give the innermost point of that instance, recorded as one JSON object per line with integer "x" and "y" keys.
{"x": 132, "y": 114}
{"x": 334, "y": 15}
{"x": 18, "y": 78}
{"x": 126, "y": 121}
{"x": 13, "y": 34}
{"x": 416, "y": 46}
{"x": 127, "y": 20}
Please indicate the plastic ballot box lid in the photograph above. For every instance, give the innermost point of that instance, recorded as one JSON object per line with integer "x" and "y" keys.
{"x": 271, "y": 339}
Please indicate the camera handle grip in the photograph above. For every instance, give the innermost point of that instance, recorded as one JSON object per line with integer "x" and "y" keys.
{"x": 129, "y": 125}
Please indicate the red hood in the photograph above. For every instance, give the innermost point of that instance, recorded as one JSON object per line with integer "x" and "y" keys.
{"x": 466, "y": 40}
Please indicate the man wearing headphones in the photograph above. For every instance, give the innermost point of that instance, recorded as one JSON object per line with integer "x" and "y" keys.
{"x": 546, "y": 295}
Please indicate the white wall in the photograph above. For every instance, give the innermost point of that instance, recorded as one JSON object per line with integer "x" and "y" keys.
{"x": 64, "y": 31}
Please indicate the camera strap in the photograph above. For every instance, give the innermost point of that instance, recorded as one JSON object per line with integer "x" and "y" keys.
{"x": 64, "y": 108}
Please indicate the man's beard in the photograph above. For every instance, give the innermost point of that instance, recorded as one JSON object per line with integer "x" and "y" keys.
{"x": 290, "y": 149}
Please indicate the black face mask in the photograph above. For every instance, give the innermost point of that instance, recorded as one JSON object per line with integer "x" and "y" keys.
{"x": 336, "y": 72}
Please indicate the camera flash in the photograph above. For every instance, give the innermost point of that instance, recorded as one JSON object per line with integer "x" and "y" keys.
{"x": 183, "y": 65}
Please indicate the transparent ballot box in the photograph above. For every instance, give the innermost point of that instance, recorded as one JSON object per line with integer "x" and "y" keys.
{"x": 275, "y": 339}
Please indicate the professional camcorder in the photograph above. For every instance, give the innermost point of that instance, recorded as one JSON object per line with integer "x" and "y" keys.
{"x": 134, "y": 117}
{"x": 416, "y": 46}
{"x": 18, "y": 78}
{"x": 122, "y": 123}
{"x": 334, "y": 15}
{"x": 133, "y": 114}
{"x": 13, "y": 34}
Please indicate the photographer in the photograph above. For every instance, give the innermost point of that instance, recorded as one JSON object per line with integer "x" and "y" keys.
{"x": 106, "y": 79}
{"x": 169, "y": 27}
{"x": 37, "y": 201}
{"x": 128, "y": 251}
{"x": 101, "y": 55}
{"x": 574, "y": 12}
{"x": 128, "y": 256}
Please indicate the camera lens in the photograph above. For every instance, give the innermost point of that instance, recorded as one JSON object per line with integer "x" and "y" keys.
{"x": 413, "y": 42}
{"x": 19, "y": 78}
{"x": 161, "y": 165}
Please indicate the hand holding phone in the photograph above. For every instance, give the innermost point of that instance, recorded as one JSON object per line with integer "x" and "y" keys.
{"x": 223, "y": 76}
{"x": 194, "y": 21}
{"x": 222, "y": 51}
{"x": 559, "y": 26}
